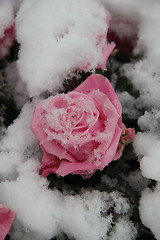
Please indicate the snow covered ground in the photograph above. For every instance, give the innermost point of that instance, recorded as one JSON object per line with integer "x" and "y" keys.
{"x": 56, "y": 39}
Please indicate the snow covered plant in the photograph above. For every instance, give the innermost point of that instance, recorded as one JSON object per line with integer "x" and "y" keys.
{"x": 81, "y": 131}
{"x": 79, "y": 76}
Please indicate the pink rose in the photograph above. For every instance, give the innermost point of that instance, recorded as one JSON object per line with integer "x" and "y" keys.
{"x": 80, "y": 132}
{"x": 6, "y": 219}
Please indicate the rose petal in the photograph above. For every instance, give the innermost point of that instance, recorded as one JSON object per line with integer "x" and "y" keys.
{"x": 98, "y": 126}
{"x": 84, "y": 152}
{"x": 49, "y": 164}
{"x": 52, "y": 147}
{"x": 6, "y": 219}
{"x": 67, "y": 167}
{"x": 107, "y": 50}
{"x": 110, "y": 118}
{"x": 110, "y": 153}
{"x": 97, "y": 81}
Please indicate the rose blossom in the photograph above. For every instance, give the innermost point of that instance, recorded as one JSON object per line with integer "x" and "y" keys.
{"x": 6, "y": 219}
{"x": 81, "y": 131}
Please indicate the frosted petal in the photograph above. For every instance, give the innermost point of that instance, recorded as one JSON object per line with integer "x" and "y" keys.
{"x": 96, "y": 81}
{"x": 6, "y": 219}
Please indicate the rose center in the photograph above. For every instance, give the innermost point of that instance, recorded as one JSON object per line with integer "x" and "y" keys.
{"x": 75, "y": 118}
{"x": 70, "y": 118}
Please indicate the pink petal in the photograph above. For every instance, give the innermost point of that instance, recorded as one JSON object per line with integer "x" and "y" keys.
{"x": 110, "y": 153}
{"x": 6, "y": 219}
{"x": 82, "y": 153}
{"x": 97, "y": 81}
{"x": 52, "y": 147}
{"x": 49, "y": 164}
{"x": 98, "y": 126}
{"x": 106, "y": 51}
{"x": 67, "y": 167}
{"x": 108, "y": 18}
{"x": 109, "y": 116}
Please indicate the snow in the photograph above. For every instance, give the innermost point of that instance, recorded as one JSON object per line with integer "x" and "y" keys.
{"x": 147, "y": 144}
{"x": 146, "y": 80}
{"x": 6, "y": 16}
{"x": 149, "y": 209}
{"x": 137, "y": 181}
{"x": 129, "y": 104}
{"x": 51, "y": 47}
{"x": 62, "y": 43}
{"x": 123, "y": 229}
{"x": 13, "y": 152}
{"x": 16, "y": 87}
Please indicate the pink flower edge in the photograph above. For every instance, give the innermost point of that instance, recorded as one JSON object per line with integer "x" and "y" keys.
{"x": 97, "y": 81}
{"x": 6, "y": 219}
{"x": 7, "y": 40}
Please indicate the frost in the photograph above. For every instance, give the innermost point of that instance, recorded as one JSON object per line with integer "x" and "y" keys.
{"x": 123, "y": 229}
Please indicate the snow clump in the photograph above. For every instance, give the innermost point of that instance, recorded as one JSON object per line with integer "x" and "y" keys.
{"x": 55, "y": 43}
